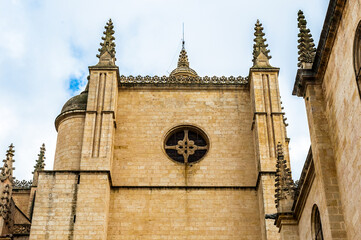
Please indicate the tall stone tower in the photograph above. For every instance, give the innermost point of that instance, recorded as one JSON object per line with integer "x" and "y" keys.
{"x": 172, "y": 157}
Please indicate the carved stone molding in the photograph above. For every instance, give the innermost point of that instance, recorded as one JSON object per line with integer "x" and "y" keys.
{"x": 22, "y": 184}
{"x": 22, "y": 229}
{"x": 184, "y": 80}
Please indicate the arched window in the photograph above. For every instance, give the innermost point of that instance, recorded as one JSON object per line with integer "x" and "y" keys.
{"x": 316, "y": 224}
{"x": 357, "y": 56}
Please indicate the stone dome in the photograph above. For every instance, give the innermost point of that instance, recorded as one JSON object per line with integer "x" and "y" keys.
{"x": 78, "y": 102}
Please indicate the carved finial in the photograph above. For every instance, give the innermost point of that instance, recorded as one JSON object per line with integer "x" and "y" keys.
{"x": 306, "y": 47}
{"x": 10, "y": 151}
{"x": 183, "y": 69}
{"x": 260, "y": 51}
{"x": 107, "y": 51}
{"x": 40, "y": 162}
{"x": 183, "y": 58}
{"x": 6, "y": 178}
{"x": 284, "y": 183}
{"x": 7, "y": 169}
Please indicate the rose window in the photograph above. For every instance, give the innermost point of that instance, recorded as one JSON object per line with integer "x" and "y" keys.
{"x": 186, "y": 144}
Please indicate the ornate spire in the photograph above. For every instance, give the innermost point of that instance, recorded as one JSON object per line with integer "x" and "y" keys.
{"x": 107, "y": 51}
{"x": 40, "y": 164}
{"x": 7, "y": 169}
{"x": 306, "y": 47}
{"x": 183, "y": 58}
{"x": 260, "y": 51}
{"x": 6, "y": 178}
{"x": 183, "y": 68}
{"x": 284, "y": 183}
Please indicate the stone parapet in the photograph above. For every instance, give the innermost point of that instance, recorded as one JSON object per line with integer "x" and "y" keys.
{"x": 184, "y": 80}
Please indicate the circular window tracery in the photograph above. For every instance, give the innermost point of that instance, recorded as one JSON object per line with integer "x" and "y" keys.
{"x": 186, "y": 144}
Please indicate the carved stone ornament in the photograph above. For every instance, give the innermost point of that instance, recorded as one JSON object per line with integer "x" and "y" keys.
{"x": 5, "y": 203}
{"x": 186, "y": 144}
{"x": 21, "y": 229}
{"x": 184, "y": 80}
{"x": 22, "y": 184}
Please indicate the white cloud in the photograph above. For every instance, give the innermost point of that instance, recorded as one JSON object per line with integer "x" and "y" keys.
{"x": 44, "y": 43}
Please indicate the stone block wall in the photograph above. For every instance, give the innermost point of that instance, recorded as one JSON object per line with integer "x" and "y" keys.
{"x": 266, "y": 192}
{"x": 144, "y": 116}
{"x": 93, "y": 196}
{"x": 160, "y": 213}
{"x": 343, "y": 111}
{"x": 53, "y": 216}
{"x": 71, "y": 205}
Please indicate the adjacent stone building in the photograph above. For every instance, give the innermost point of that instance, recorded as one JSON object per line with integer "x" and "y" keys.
{"x": 327, "y": 200}
{"x": 190, "y": 157}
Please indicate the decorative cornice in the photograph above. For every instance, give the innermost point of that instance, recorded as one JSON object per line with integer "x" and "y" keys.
{"x": 23, "y": 184}
{"x": 184, "y": 80}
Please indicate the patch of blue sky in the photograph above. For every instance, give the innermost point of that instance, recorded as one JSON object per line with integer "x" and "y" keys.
{"x": 76, "y": 84}
{"x": 34, "y": 4}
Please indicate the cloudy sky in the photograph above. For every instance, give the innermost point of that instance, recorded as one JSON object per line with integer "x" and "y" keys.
{"x": 46, "y": 47}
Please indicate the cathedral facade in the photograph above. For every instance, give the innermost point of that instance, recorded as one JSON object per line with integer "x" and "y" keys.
{"x": 196, "y": 157}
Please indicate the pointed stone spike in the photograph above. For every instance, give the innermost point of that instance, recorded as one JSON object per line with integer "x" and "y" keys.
{"x": 107, "y": 51}
{"x": 40, "y": 162}
{"x": 7, "y": 169}
{"x": 11, "y": 150}
{"x": 39, "y": 165}
{"x": 260, "y": 52}
{"x": 306, "y": 47}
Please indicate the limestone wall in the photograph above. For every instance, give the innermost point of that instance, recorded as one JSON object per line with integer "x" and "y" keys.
{"x": 304, "y": 225}
{"x": 343, "y": 111}
{"x": 144, "y": 116}
{"x": 93, "y": 198}
{"x": 69, "y": 143}
{"x": 53, "y": 216}
{"x": 183, "y": 214}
